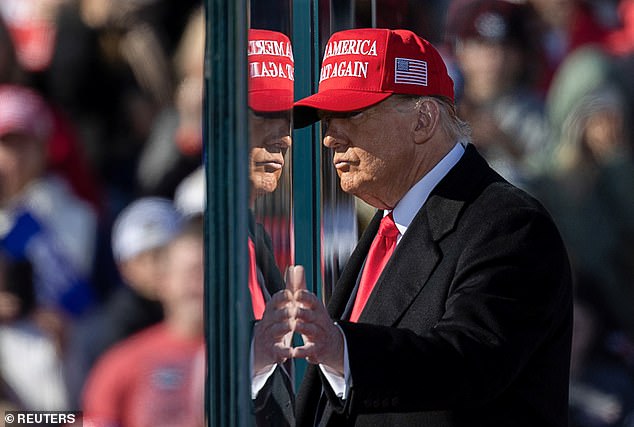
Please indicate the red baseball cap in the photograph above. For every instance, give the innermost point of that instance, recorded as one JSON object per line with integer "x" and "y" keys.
{"x": 271, "y": 71}
{"x": 362, "y": 67}
{"x": 23, "y": 111}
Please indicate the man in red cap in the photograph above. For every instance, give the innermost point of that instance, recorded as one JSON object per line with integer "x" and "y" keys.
{"x": 455, "y": 307}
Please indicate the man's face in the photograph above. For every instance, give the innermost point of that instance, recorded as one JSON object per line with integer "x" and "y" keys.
{"x": 143, "y": 271}
{"x": 269, "y": 138}
{"x": 22, "y": 160}
{"x": 374, "y": 150}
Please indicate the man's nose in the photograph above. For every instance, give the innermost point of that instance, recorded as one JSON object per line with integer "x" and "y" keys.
{"x": 329, "y": 141}
{"x": 333, "y": 137}
{"x": 280, "y": 142}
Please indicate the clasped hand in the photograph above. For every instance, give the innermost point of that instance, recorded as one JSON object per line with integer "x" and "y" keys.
{"x": 294, "y": 309}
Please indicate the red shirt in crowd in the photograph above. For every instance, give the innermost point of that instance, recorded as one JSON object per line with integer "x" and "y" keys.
{"x": 151, "y": 379}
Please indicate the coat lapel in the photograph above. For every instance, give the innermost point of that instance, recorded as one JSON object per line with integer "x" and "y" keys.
{"x": 412, "y": 263}
{"x": 417, "y": 254}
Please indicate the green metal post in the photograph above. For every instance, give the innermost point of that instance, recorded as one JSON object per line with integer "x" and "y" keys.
{"x": 226, "y": 153}
{"x": 306, "y": 153}
{"x": 306, "y": 146}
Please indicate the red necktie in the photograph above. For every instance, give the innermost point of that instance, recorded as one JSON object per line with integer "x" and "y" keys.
{"x": 257, "y": 298}
{"x": 380, "y": 251}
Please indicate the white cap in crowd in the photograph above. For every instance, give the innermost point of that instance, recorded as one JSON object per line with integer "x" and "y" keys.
{"x": 145, "y": 224}
{"x": 190, "y": 195}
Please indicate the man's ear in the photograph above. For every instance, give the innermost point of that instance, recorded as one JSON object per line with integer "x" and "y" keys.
{"x": 427, "y": 121}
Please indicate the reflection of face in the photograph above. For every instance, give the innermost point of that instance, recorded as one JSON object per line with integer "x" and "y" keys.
{"x": 269, "y": 140}
{"x": 373, "y": 151}
{"x": 21, "y": 161}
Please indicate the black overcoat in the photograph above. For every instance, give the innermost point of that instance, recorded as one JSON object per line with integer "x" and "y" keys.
{"x": 470, "y": 322}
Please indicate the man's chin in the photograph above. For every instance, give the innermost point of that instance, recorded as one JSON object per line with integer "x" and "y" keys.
{"x": 347, "y": 185}
{"x": 264, "y": 185}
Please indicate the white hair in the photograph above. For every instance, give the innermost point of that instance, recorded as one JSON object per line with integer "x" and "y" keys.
{"x": 454, "y": 127}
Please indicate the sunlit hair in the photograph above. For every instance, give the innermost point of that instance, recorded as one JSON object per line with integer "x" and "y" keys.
{"x": 455, "y": 128}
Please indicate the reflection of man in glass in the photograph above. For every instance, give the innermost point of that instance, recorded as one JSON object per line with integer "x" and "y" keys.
{"x": 270, "y": 60}
{"x": 269, "y": 140}
{"x": 270, "y": 103}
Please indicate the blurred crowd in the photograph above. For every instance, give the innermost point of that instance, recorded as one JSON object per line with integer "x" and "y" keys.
{"x": 547, "y": 88}
{"x": 101, "y": 190}
{"x": 101, "y": 243}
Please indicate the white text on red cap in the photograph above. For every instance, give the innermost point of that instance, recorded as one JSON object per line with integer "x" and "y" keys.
{"x": 350, "y": 47}
{"x": 363, "y": 47}
{"x": 271, "y": 68}
{"x": 270, "y": 47}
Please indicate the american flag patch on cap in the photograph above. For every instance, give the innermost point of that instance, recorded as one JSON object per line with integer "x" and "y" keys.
{"x": 410, "y": 71}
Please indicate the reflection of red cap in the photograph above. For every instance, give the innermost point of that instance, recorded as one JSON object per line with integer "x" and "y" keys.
{"x": 23, "y": 111}
{"x": 271, "y": 71}
{"x": 362, "y": 67}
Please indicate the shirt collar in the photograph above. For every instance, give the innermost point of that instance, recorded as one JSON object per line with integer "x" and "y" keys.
{"x": 406, "y": 209}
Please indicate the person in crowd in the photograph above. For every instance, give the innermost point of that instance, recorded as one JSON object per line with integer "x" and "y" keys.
{"x": 150, "y": 379}
{"x": 587, "y": 175}
{"x": 587, "y": 184}
{"x": 25, "y": 52}
{"x": 499, "y": 63}
{"x": 44, "y": 221}
{"x": 456, "y": 307}
{"x": 111, "y": 74}
{"x": 566, "y": 25}
{"x": 31, "y": 358}
{"x": 32, "y": 29}
{"x": 620, "y": 41}
{"x": 139, "y": 236}
{"x": 589, "y": 192}
{"x": 10, "y": 71}
{"x": 174, "y": 146}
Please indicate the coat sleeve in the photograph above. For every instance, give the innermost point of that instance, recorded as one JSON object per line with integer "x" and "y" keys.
{"x": 275, "y": 404}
